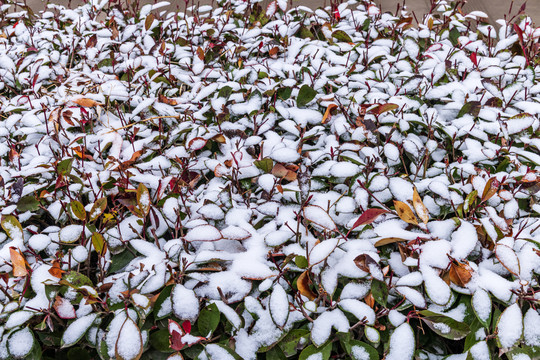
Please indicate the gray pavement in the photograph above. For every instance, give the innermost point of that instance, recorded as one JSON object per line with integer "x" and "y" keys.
{"x": 495, "y": 9}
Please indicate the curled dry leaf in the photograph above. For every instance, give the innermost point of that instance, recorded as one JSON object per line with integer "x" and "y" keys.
{"x": 303, "y": 285}
{"x": 364, "y": 262}
{"x": 388, "y": 240}
{"x": 85, "y": 102}
{"x": 490, "y": 189}
{"x": 18, "y": 262}
{"x": 405, "y": 213}
{"x": 56, "y": 270}
{"x": 460, "y": 273}
{"x": 328, "y": 113}
{"x": 419, "y": 207}
{"x": 166, "y": 100}
{"x": 280, "y": 171}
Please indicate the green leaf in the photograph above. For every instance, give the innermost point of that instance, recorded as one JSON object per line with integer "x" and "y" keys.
{"x": 99, "y": 242}
{"x": 379, "y": 290}
{"x": 359, "y": 347}
{"x": 325, "y": 351}
{"x": 78, "y": 210}
{"x": 163, "y": 295}
{"x": 64, "y": 166}
{"x": 225, "y": 92}
{"x": 12, "y": 227}
{"x": 159, "y": 340}
{"x": 78, "y": 353}
{"x": 208, "y": 320}
{"x": 284, "y": 93}
{"x": 265, "y": 164}
{"x": 27, "y": 203}
{"x": 454, "y": 330}
{"x": 454, "y": 35}
{"x": 305, "y": 95}
{"x": 275, "y": 354}
{"x": 119, "y": 261}
{"x": 472, "y": 108}
{"x": 98, "y": 208}
{"x": 294, "y": 339}
{"x": 143, "y": 199}
{"x": 301, "y": 261}
{"x": 77, "y": 279}
{"x": 342, "y": 36}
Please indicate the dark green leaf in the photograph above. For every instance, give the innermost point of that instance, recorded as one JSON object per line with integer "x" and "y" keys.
{"x": 208, "y": 320}
{"x": 275, "y": 354}
{"x": 373, "y": 354}
{"x": 379, "y": 290}
{"x": 78, "y": 353}
{"x": 342, "y": 36}
{"x": 454, "y": 35}
{"x": 77, "y": 279}
{"x": 455, "y": 330}
{"x": 291, "y": 343}
{"x": 284, "y": 93}
{"x": 119, "y": 261}
{"x": 159, "y": 340}
{"x": 472, "y": 108}
{"x": 324, "y": 350}
{"x": 164, "y": 295}
{"x": 225, "y": 92}
{"x": 27, "y": 203}
{"x": 305, "y": 95}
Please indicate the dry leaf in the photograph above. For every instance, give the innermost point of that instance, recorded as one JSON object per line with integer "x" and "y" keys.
{"x": 200, "y": 53}
{"x": 370, "y": 300}
{"x": 56, "y": 270}
{"x": 419, "y": 207}
{"x": 460, "y": 273}
{"x": 18, "y": 262}
{"x": 328, "y": 113}
{"x": 281, "y": 171}
{"x": 303, "y": 285}
{"x": 166, "y": 100}
{"x": 490, "y": 189}
{"x": 368, "y": 217}
{"x": 364, "y": 262}
{"x": 85, "y": 102}
{"x": 405, "y": 213}
{"x": 388, "y": 240}
{"x": 273, "y": 52}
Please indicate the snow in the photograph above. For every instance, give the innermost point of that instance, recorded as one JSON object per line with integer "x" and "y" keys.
{"x": 464, "y": 240}
{"x": 319, "y": 216}
{"x": 359, "y": 309}
{"x": 216, "y": 352}
{"x": 39, "y": 242}
{"x": 203, "y": 233}
{"x": 510, "y": 326}
{"x": 396, "y": 318}
{"x": 481, "y": 302}
{"x": 322, "y": 326}
{"x": 402, "y": 343}
{"x": 359, "y": 353}
{"x": 70, "y": 233}
{"x": 20, "y": 343}
{"x": 80, "y": 254}
{"x": 129, "y": 344}
{"x": 185, "y": 304}
{"x": 531, "y": 327}
{"x": 322, "y": 250}
{"x": 279, "y": 305}
{"x": 77, "y": 329}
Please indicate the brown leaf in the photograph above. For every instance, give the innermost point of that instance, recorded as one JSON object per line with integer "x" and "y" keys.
{"x": 364, "y": 262}
{"x": 370, "y": 300}
{"x": 219, "y": 138}
{"x": 200, "y": 53}
{"x": 281, "y": 171}
{"x": 303, "y": 285}
{"x": 149, "y": 20}
{"x": 273, "y": 52}
{"x": 419, "y": 207}
{"x": 18, "y": 262}
{"x": 460, "y": 273}
{"x": 405, "y": 213}
{"x": 367, "y": 217}
{"x": 92, "y": 41}
{"x": 56, "y": 270}
{"x": 85, "y": 102}
{"x": 382, "y": 108}
{"x": 328, "y": 113}
{"x": 166, "y": 100}
{"x": 490, "y": 189}
{"x": 388, "y": 240}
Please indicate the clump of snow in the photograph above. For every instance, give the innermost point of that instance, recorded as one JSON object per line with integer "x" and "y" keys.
{"x": 402, "y": 343}
{"x": 510, "y": 326}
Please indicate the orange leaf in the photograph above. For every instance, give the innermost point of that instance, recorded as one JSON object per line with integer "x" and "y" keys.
{"x": 200, "y": 53}
{"x": 281, "y": 171}
{"x": 328, "y": 113}
{"x": 18, "y": 262}
{"x": 303, "y": 286}
{"x": 56, "y": 270}
{"x": 419, "y": 207}
{"x": 370, "y": 300}
{"x": 166, "y": 100}
{"x": 460, "y": 273}
{"x": 489, "y": 190}
{"x": 85, "y": 102}
{"x": 273, "y": 52}
{"x": 405, "y": 213}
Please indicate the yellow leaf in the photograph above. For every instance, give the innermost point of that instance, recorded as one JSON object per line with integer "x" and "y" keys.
{"x": 419, "y": 207}
{"x": 303, "y": 286}
{"x": 18, "y": 262}
{"x": 405, "y": 213}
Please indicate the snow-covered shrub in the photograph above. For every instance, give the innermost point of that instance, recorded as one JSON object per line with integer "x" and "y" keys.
{"x": 271, "y": 183}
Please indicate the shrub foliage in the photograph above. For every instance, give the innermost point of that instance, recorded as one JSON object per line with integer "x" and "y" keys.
{"x": 268, "y": 183}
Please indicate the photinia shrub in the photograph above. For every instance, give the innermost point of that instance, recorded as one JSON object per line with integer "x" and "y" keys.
{"x": 249, "y": 182}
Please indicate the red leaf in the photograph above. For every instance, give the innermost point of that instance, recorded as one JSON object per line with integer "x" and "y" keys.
{"x": 474, "y": 59}
{"x": 368, "y": 217}
{"x": 186, "y": 325}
